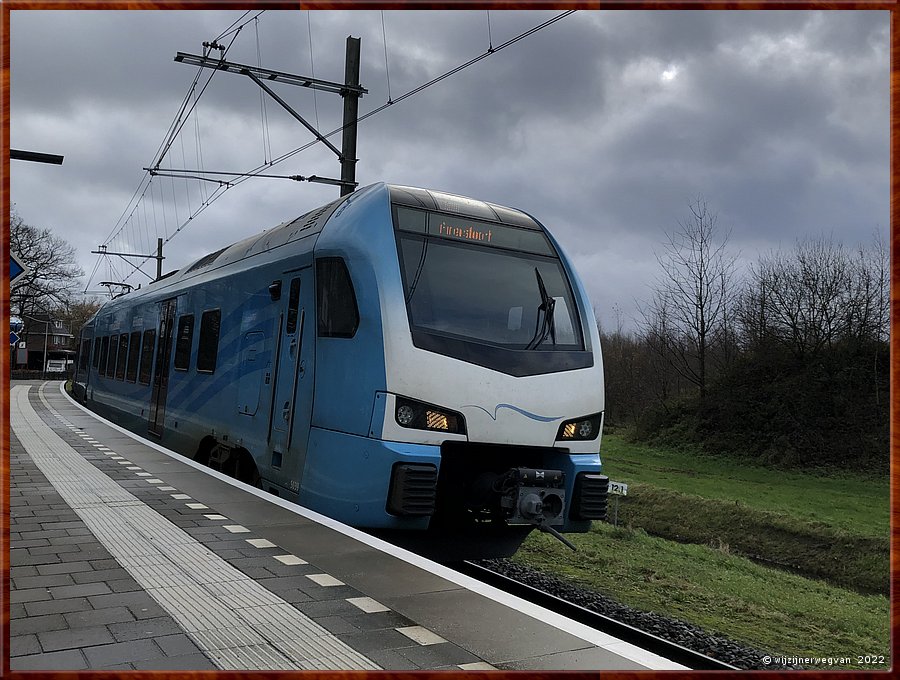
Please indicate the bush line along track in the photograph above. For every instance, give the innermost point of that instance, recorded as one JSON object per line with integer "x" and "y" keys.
{"x": 651, "y": 643}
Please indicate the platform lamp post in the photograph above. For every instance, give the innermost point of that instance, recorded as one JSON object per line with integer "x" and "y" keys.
{"x": 35, "y": 157}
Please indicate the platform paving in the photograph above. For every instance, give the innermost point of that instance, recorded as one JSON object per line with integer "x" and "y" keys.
{"x": 123, "y": 558}
{"x": 61, "y": 577}
{"x": 81, "y": 608}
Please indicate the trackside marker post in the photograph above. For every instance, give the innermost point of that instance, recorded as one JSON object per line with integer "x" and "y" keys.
{"x": 617, "y": 489}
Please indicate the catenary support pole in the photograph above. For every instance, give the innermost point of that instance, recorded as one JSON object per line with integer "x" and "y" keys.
{"x": 351, "y": 112}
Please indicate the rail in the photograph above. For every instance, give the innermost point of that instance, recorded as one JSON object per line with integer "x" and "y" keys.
{"x": 651, "y": 643}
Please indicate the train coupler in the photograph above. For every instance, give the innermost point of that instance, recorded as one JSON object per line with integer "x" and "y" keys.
{"x": 537, "y": 497}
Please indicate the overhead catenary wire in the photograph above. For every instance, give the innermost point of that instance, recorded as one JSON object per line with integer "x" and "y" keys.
{"x": 94, "y": 270}
{"x": 264, "y": 118}
{"x": 187, "y": 191}
{"x": 170, "y": 134}
{"x": 175, "y": 202}
{"x": 258, "y": 171}
{"x": 233, "y": 24}
{"x": 430, "y": 83}
{"x": 254, "y": 172}
{"x": 312, "y": 67}
{"x": 387, "y": 70}
{"x": 173, "y": 129}
{"x": 198, "y": 152}
{"x": 490, "y": 38}
{"x": 179, "y": 172}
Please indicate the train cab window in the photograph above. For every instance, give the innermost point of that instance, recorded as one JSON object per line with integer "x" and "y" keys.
{"x": 209, "y": 340}
{"x": 123, "y": 356}
{"x": 337, "y": 314}
{"x": 97, "y": 345}
{"x": 135, "y": 343}
{"x": 111, "y": 358}
{"x": 104, "y": 354}
{"x": 184, "y": 341}
{"x": 147, "y": 356}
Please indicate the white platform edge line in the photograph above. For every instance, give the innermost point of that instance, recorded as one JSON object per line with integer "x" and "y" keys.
{"x": 594, "y": 637}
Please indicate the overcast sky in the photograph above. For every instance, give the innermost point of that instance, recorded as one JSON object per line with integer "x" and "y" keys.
{"x": 603, "y": 125}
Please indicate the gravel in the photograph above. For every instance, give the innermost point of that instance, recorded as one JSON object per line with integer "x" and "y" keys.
{"x": 679, "y": 632}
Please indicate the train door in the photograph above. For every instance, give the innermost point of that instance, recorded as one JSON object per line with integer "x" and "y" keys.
{"x": 293, "y": 388}
{"x": 161, "y": 375}
{"x": 82, "y": 377}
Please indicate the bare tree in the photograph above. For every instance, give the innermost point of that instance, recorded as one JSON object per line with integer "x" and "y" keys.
{"x": 817, "y": 296}
{"x": 53, "y": 270}
{"x": 873, "y": 285}
{"x": 79, "y": 312}
{"x": 687, "y": 319}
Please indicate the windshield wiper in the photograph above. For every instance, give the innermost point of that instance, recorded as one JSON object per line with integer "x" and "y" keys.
{"x": 547, "y": 328}
{"x": 415, "y": 281}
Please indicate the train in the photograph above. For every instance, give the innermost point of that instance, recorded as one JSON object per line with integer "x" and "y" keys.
{"x": 407, "y": 361}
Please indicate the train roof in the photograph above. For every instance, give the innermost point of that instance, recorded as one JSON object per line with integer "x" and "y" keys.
{"x": 312, "y": 222}
{"x": 429, "y": 199}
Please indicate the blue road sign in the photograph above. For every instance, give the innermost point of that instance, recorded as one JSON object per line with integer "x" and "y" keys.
{"x": 16, "y": 269}
{"x": 13, "y": 338}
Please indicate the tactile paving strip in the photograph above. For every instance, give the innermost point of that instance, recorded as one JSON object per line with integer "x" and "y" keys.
{"x": 236, "y": 622}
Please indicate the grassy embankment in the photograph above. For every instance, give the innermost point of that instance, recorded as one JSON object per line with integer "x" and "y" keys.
{"x": 719, "y": 512}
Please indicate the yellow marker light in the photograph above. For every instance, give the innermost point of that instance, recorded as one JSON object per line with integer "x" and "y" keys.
{"x": 569, "y": 431}
{"x": 436, "y": 421}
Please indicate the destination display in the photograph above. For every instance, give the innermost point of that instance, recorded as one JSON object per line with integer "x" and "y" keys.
{"x": 457, "y": 228}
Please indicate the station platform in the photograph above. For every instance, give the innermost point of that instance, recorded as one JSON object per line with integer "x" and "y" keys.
{"x": 125, "y": 556}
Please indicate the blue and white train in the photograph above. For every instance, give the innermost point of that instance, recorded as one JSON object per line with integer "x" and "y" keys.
{"x": 399, "y": 359}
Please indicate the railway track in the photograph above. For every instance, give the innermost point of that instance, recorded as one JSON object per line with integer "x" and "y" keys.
{"x": 652, "y": 643}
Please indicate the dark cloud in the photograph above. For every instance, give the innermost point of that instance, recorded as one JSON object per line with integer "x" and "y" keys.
{"x": 605, "y": 125}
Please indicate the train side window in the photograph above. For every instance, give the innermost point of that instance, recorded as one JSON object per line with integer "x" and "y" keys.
{"x": 123, "y": 356}
{"x": 209, "y": 340}
{"x": 147, "y": 356}
{"x": 337, "y": 315}
{"x": 113, "y": 354}
{"x": 135, "y": 343}
{"x": 97, "y": 345}
{"x": 104, "y": 355}
{"x": 184, "y": 341}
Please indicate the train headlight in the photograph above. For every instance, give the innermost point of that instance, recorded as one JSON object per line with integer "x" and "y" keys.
{"x": 421, "y": 416}
{"x": 580, "y": 429}
{"x": 405, "y": 415}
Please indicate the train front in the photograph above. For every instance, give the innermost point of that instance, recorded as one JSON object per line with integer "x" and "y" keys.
{"x": 488, "y": 423}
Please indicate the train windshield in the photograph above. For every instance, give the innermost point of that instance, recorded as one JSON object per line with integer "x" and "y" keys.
{"x": 494, "y": 284}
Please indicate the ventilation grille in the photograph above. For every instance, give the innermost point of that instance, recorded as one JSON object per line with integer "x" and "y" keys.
{"x": 590, "y": 497}
{"x": 413, "y": 489}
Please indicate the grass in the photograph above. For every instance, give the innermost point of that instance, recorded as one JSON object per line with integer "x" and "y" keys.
{"x": 811, "y": 548}
{"x": 774, "y": 611}
{"x": 856, "y": 504}
{"x": 720, "y": 511}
